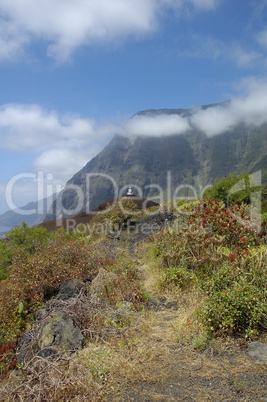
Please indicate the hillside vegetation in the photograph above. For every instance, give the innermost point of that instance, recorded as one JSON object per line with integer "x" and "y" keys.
{"x": 206, "y": 271}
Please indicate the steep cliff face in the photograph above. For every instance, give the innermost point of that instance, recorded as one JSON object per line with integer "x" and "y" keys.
{"x": 162, "y": 164}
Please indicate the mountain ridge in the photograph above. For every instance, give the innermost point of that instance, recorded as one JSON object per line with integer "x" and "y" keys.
{"x": 179, "y": 111}
{"x": 192, "y": 158}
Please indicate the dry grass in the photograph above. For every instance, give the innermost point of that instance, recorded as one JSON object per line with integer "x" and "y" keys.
{"x": 153, "y": 364}
{"x": 162, "y": 354}
{"x": 50, "y": 380}
{"x": 153, "y": 358}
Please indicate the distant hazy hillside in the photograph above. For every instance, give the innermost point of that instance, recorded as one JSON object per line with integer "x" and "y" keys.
{"x": 192, "y": 158}
{"x": 11, "y": 218}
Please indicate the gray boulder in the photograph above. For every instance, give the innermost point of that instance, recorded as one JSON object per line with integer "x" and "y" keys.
{"x": 103, "y": 280}
{"x": 258, "y": 351}
{"x": 58, "y": 332}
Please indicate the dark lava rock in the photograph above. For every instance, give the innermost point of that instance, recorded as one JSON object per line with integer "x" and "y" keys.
{"x": 139, "y": 229}
{"x": 47, "y": 352}
{"x": 172, "y": 305}
{"x": 152, "y": 304}
{"x": 70, "y": 289}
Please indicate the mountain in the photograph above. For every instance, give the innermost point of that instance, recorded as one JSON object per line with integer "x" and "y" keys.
{"x": 164, "y": 164}
{"x": 181, "y": 112}
{"x": 11, "y": 218}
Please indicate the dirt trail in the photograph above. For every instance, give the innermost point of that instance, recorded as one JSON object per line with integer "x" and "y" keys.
{"x": 174, "y": 371}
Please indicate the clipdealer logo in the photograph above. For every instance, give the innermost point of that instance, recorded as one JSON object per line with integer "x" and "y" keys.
{"x": 45, "y": 187}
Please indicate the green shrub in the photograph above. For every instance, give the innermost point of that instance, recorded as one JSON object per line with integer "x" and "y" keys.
{"x": 24, "y": 238}
{"x": 232, "y": 188}
{"x": 5, "y": 259}
{"x": 177, "y": 276}
{"x": 34, "y": 278}
{"x": 27, "y": 237}
{"x": 221, "y": 251}
{"x": 234, "y": 305}
{"x": 194, "y": 250}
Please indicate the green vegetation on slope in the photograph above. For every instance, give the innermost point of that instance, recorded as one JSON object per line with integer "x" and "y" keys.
{"x": 212, "y": 259}
{"x": 219, "y": 251}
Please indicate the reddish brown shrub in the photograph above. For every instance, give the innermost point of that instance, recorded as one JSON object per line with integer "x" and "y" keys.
{"x": 32, "y": 278}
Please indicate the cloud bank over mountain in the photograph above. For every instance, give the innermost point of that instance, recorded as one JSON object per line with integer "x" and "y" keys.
{"x": 249, "y": 109}
{"x": 156, "y": 126}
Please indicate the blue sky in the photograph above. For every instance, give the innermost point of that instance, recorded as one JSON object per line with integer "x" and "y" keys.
{"x": 73, "y": 71}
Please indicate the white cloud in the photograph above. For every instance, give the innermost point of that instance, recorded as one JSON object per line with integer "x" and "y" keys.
{"x": 262, "y": 38}
{"x": 242, "y": 57}
{"x": 64, "y": 162}
{"x": 63, "y": 144}
{"x": 214, "y": 120}
{"x": 156, "y": 126}
{"x": 200, "y": 4}
{"x": 67, "y": 24}
{"x": 31, "y": 128}
{"x": 12, "y": 40}
{"x": 215, "y": 49}
{"x": 249, "y": 109}
{"x": 205, "y": 4}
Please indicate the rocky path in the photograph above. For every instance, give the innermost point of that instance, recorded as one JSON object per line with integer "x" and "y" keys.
{"x": 175, "y": 371}
{"x": 158, "y": 357}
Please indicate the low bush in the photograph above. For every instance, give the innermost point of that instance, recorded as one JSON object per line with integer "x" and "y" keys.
{"x": 28, "y": 237}
{"x": 233, "y": 188}
{"x": 126, "y": 288}
{"x": 32, "y": 278}
{"x": 186, "y": 254}
{"x": 8, "y": 359}
{"x": 5, "y": 259}
{"x": 177, "y": 276}
{"x": 226, "y": 257}
{"x": 233, "y": 223}
{"x": 235, "y": 305}
{"x": 24, "y": 238}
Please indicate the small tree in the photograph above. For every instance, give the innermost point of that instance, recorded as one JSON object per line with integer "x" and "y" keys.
{"x": 27, "y": 237}
{"x": 233, "y": 188}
